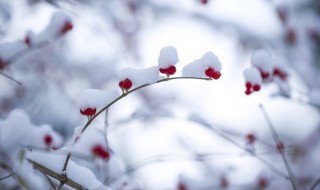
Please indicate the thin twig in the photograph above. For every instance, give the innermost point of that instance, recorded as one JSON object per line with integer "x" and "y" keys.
{"x": 3, "y": 178}
{"x": 116, "y": 100}
{"x": 278, "y": 141}
{"x": 34, "y": 47}
{"x": 11, "y": 78}
{"x": 60, "y": 177}
{"x": 217, "y": 131}
{"x": 271, "y": 166}
{"x": 50, "y": 181}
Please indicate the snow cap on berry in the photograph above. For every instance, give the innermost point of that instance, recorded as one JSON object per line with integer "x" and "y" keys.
{"x": 211, "y": 60}
{"x": 252, "y": 75}
{"x": 93, "y": 98}
{"x": 140, "y": 77}
{"x": 198, "y": 67}
{"x": 168, "y": 56}
{"x": 314, "y": 97}
{"x": 262, "y": 60}
{"x": 89, "y": 141}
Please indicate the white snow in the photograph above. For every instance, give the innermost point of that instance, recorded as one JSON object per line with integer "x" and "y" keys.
{"x": 93, "y": 98}
{"x": 262, "y": 60}
{"x": 198, "y": 67}
{"x": 54, "y": 27}
{"x": 252, "y": 75}
{"x": 168, "y": 56}
{"x": 13, "y": 131}
{"x": 314, "y": 97}
{"x": 140, "y": 77}
{"x": 88, "y": 140}
{"x": 211, "y": 60}
{"x": 40, "y": 133}
{"x": 55, "y": 161}
{"x": 195, "y": 69}
{"x": 27, "y": 177}
{"x": 7, "y": 50}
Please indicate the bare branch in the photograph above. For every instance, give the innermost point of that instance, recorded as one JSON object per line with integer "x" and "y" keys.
{"x": 116, "y": 100}
{"x": 60, "y": 177}
{"x": 281, "y": 150}
{"x": 3, "y": 178}
{"x": 11, "y": 78}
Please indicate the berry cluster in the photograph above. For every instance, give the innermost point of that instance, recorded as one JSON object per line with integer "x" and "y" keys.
{"x": 267, "y": 70}
{"x": 171, "y": 70}
{"x": 125, "y": 85}
{"x": 251, "y": 87}
{"x": 211, "y": 73}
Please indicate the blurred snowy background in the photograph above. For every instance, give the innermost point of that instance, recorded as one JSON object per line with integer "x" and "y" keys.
{"x": 152, "y": 126}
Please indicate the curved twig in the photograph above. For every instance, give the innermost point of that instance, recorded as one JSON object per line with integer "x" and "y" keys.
{"x": 116, "y": 100}
{"x": 277, "y": 140}
{"x": 5, "y": 177}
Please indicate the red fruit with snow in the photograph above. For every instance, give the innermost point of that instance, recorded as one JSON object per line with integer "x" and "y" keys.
{"x": 250, "y": 138}
{"x": 48, "y": 140}
{"x": 211, "y": 73}
{"x": 88, "y": 111}
{"x": 291, "y": 36}
{"x": 101, "y": 152}
{"x": 256, "y": 87}
{"x": 277, "y": 72}
{"x": 224, "y": 182}
{"x": 2, "y": 64}
{"x": 264, "y": 75}
{"x": 27, "y": 41}
{"x": 171, "y": 70}
{"x": 66, "y": 27}
{"x": 280, "y": 146}
{"x": 253, "y": 80}
{"x": 182, "y": 186}
{"x": 204, "y": 2}
{"x": 126, "y": 84}
{"x": 262, "y": 182}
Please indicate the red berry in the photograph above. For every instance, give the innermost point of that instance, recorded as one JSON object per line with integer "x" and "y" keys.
{"x": 182, "y": 186}
{"x": 248, "y": 92}
{"x": 281, "y": 74}
{"x": 171, "y": 70}
{"x": 204, "y": 1}
{"x": 66, "y": 27}
{"x": 216, "y": 75}
{"x": 27, "y": 41}
{"x": 264, "y": 75}
{"x": 48, "y": 140}
{"x": 291, "y": 36}
{"x": 163, "y": 71}
{"x": 209, "y": 72}
{"x": 251, "y": 138}
{"x": 262, "y": 182}
{"x": 2, "y": 64}
{"x": 88, "y": 111}
{"x": 256, "y": 87}
{"x": 100, "y": 152}
{"x": 126, "y": 84}
{"x": 168, "y": 71}
{"x": 280, "y": 146}
{"x": 248, "y": 85}
{"x": 224, "y": 182}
